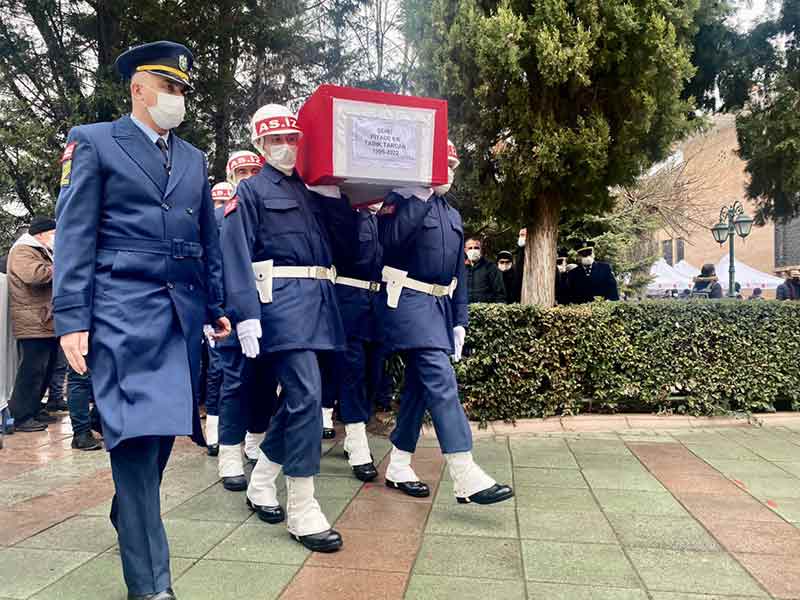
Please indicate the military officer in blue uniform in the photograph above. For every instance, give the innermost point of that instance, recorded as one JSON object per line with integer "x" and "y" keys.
{"x": 278, "y": 240}
{"x": 138, "y": 275}
{"x": 358, "y": 284}
{"x": 424, "y": 316}
{"x": 248, "y": 395}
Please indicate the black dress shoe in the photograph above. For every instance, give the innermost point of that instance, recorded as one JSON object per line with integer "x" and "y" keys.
{"x": 328, "y": 434}
{"x": 45, "y": 417}
{"x": 30, "y": 425}
{"x": 57, "y": 406}
{"x": 365, "y": 472}
{"x": 167, "y": 594}
{"x": 85, "y": 441}
{"x": 213, "y": 450}
{"x": 235, "y": 484}
{"x": 268, "y": 514}
{"x": 417, "y": 489}
{"x": 496, "y": 493}
{"x": 327, "y": 541}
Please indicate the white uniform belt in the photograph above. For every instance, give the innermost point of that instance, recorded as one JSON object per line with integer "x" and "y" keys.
{"x": 265, "y": 272}
{"x": 432, "y": 289}
{"x": 304, "y": 273}
{"x": 397, "y": 279}
{"x": 362, "y": 284}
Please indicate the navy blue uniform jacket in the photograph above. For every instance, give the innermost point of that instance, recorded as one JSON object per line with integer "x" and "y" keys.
{"x": 427, "y": 240}
{"x": 138, "y": 266}
{"x": 277, "y": 218}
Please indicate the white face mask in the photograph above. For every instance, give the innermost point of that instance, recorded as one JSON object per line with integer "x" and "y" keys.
{"x": 474, "y": 255}
{"x": 374, "y": 208}
{"x": 281, "y": 156}
{"x": 521, "y": 242}
{"x": 441, "y": 190}
{"x": 168, "y": 111}
{"x": 504, "y": 266}
{"x": 587, "y": 261}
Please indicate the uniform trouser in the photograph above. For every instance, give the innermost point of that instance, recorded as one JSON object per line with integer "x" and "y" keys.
{"x": 430, "y": 384}
{"x": 379, "y": 381}
{"x": 55, "y": 395}
{"x": 294, "y": 432}
{"x": 355, "y": 368}
{"x": 37, "y": 359}
{"x": 248, "y": 397}
{"x": 214, "y": 376}
{"x": 137, "y": 465}
{"x": 331, "y": 379}
{"x": 79, "y": 397}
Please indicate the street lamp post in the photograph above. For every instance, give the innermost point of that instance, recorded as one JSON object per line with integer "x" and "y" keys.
{"x": 732, "y": 222}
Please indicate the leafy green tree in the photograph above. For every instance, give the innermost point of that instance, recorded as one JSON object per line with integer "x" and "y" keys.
{"x": 553, "y": 103}
{"x": 769, "y": 127}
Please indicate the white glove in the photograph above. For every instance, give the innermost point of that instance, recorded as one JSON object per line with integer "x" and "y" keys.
{"x": 249, "y": 332}
{"x": 421, "y": 193}
{"x": 329, "y": 191}
{"x": 459, "y": 335}
{"x": 208, "y": 331}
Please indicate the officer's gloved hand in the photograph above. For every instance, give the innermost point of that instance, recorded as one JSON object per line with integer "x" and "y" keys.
{"x": 249, "y": 332}
{"x": 208, "y": 331}
{"x": 420, "y": 193}
{"x": 459, "y": 336}
{"x": 329, "y": 191}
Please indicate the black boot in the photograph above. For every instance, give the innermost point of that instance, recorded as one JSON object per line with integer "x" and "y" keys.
{"x": 365, "y": 472}
{"x": 45, "y": 417}
{"x": 213, "y": 450}
{"x": 85, "y": 441}
{"x": 268, "y": 514}
{"x": 415, "y": 489}
{"x": 326, "y": 541}
{"x": 30, "y": 425}
{"x": 328, "y": 433}
{"x": 492, "y": 495}
{"x": 235, "y": 484}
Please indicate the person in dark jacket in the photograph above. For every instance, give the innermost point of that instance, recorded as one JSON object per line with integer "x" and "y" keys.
{"x": 484, "y": 279}
{"x": 789, "y": 289}
{"x": 505, "y": 263}
{"x": 707, "y": 285}
{"x": 591, "y": 279}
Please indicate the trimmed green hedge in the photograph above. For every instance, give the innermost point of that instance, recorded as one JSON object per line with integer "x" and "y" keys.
{"x": 695, "y": 357}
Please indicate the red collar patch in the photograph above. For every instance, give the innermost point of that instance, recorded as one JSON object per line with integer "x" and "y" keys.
{"x": 231, "y": 205}
{"x": 68, "y": 152}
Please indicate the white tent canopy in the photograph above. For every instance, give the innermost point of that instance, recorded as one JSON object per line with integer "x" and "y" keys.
{"x": 748, "y": 277}
{"x": 666, "y": 278}
{"x": 686, "y": 269}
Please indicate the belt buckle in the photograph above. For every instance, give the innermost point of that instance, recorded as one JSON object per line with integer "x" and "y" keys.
{"x": 374, "y": 287}
{"x": 321, "y": 273}
{"x": 178, "y": 249}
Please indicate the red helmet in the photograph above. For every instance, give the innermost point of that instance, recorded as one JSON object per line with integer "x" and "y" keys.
{"x": 222, "y": 192}
{"x": 241, "y": 158}
{"x": 452, "y": 155}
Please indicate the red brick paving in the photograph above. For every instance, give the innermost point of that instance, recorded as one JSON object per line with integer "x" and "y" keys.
{"x": 382, "y": 532}
{"x": 768, "y": 548}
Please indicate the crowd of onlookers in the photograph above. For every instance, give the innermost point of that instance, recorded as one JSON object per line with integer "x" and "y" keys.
{"x": 42, "y": 371}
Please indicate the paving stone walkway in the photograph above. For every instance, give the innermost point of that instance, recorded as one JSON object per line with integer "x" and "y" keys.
{"x": 695, "y": 513}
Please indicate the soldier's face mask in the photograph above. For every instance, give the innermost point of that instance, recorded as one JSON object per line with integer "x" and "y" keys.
{"x": 282, "y": 156}
{"x": 587, "y": 261}
{"x": 504, "y": 265}
{"x": 169, "y": 109}
{"x": 441, "y": 190}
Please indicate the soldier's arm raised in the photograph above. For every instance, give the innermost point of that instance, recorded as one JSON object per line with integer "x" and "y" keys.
{"x": 78, "y": 210}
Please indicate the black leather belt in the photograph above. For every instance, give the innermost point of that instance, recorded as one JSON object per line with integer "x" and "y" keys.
{"x": 175, "y": 248}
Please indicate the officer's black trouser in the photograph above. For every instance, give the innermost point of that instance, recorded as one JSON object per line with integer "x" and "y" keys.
{"x": 37, "y": 360}
{"x": 137, "y": 465}
{"x": 293, "y": 436}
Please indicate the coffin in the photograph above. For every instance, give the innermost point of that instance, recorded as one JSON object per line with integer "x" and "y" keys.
{"x": 369, "y": 142}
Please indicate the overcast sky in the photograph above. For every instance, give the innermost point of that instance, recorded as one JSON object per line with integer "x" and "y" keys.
{"x": 752, "y": 12}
